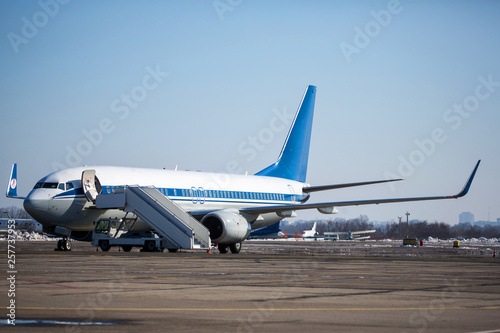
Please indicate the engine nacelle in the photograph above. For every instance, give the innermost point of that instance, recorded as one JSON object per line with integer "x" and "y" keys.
{"x": 226, "y": 227}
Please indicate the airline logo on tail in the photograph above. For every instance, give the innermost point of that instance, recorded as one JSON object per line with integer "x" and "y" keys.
{"x": 12, "y": 186}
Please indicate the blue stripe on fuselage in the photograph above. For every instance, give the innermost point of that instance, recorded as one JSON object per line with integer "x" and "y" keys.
{"x": 200, "y": 196}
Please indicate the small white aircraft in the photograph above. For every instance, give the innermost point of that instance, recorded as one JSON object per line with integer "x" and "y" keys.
{"x": 310, "y": 233}
{"x": 229, "y": 205}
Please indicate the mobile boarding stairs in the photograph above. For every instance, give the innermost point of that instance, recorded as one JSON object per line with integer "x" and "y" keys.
{"x": 178, "y": 229}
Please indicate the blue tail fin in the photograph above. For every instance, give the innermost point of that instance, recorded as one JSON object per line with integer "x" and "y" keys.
{"x": 292, "y": 162}
{"x": 267, "y": 232}
{"x": 12, "y": 186}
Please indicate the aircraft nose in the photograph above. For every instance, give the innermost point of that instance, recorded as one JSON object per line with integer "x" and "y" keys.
{"x": 35, "y": 202}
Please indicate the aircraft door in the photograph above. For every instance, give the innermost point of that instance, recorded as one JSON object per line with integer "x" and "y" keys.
{"x": 292, "y": 193}
{"x": 91, "y": 185}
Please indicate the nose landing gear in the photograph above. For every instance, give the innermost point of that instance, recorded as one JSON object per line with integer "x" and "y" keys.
{"x": 63, "y": 245}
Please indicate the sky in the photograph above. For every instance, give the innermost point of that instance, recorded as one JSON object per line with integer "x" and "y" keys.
{"x": 405, "y": 89}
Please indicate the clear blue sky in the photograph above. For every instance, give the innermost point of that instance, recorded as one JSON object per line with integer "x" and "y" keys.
{"x": 405, "y": 88}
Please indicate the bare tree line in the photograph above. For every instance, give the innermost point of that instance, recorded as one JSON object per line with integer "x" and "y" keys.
{"x": 15, "y": 212}
{"x": 419, "y": 229}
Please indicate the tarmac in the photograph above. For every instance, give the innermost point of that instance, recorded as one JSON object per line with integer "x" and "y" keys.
{"x": 268, "y": 287}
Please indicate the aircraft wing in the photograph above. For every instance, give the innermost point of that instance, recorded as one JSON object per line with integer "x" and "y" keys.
{"x": 331, "y": 205}
{"x": 363, "y": 232}
{"x": 361, "y": 238}
{"x": 309, "y": 189}
{"x": 333, "y": 233}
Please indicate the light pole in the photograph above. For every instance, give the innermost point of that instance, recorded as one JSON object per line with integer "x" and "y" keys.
{"x": 407, "y": 225}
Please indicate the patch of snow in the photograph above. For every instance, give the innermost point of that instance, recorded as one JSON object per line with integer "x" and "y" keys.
{"x": 28, "y": 236}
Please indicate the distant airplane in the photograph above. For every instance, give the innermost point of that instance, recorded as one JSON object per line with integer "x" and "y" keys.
{"x": 349, "y": 235}
{"x": 19, "y": 224}
{"x": 229, "y": 206}
{"x": 310, "y": 233}
{"x": 272, "y": 231}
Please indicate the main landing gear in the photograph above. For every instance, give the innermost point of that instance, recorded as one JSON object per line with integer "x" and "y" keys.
{"x": 235, "y": 248}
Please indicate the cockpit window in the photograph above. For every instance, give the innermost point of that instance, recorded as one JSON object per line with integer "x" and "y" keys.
{"x": 69, "y": 186}
{"x": 61, "y": 187}
{"x": 49, "y": 185}
{"x": 38, "y": 185}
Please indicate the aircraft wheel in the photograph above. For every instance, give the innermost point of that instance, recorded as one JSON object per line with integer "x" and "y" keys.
{"x": 150, "y": 246}
{"x": 126, "y": 248}
{"x": 66, "y": 245}
{"x": 172, "y": 250}
{"x": 235, "y": 248}
{"x": 60, "y": 245}
{"x": 104, "y": 245}
{"x": 223, "y": 248}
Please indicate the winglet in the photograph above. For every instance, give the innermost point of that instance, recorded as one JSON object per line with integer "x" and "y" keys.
{"x": 12, "y": 186}
{"x": 469, "y": 182}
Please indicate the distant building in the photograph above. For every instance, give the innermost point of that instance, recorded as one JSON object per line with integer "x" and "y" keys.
{"x": 466, "y": 217}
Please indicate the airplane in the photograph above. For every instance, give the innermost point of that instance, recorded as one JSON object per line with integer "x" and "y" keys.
{"x": 310, "y": 233}
{"x": 228, "y": 205}
{"x": 272, "y": 231}
{"x": 349, "y": 235}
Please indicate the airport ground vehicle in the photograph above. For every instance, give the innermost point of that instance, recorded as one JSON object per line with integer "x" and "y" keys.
{"x": 117, "y": 232}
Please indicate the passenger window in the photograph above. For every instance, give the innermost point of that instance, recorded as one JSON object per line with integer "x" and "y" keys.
{"x": 61, "y": 186}
{"x": 69, "y": 186}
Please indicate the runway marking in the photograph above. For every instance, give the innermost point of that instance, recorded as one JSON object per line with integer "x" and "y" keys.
{"x": 253, "y": 309}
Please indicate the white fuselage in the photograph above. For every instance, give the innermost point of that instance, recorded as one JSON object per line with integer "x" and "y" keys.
{"x": 59, "y": 200}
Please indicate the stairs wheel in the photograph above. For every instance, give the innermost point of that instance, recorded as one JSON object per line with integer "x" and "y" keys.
{"x": 104, "y": 245}
{"x": 150, "y": 246}
{"x": 126, "y": 248}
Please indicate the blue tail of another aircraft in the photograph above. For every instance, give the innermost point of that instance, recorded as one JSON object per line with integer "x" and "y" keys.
{"x": 271, "y": 231}
{"x": 12, "y": 186}
{"x": 292, "y": 162}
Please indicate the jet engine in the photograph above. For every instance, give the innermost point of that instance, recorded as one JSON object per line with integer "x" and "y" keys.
{"x": 226, "y": 227}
